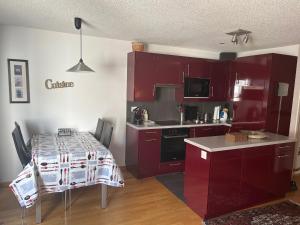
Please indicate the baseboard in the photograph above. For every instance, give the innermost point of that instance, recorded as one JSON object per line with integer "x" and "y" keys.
{"x": 4, "y": 184}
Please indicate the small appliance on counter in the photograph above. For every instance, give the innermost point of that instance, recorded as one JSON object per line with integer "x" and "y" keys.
{"x": 137, "y": 116}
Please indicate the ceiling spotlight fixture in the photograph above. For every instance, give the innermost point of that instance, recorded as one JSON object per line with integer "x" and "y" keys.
{"x": 80, "y": 66}
{"x": 246, "y": 38}
{"x": 234, "y": 39}
{"x": 238, "y": 33}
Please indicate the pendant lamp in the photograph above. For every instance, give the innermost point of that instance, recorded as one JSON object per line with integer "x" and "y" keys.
{"x": 80, "y": 66}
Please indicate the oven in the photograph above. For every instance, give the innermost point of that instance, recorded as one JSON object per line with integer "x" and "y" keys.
{"x": 172, "y": 144}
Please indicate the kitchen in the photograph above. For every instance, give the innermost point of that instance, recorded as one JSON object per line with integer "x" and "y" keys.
{"x": 254, "y": 95}
{"x": 208, "y": 68}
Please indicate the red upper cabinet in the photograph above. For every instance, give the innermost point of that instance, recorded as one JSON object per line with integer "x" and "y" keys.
{"x": 219, "y": 80}
{"x": 146, "y": 70}
{"x": 141, "y": 77}
{"x": 249, "y": 88}
{"x": 197, "y": 68}
{"x": 169, "y": 70}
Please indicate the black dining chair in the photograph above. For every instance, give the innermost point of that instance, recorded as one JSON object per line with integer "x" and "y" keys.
{"x": 99, "y": 129}
{"x": 106, "y": 134}
{"x": 22, "y": 151}
{"x": 27, "y": 146}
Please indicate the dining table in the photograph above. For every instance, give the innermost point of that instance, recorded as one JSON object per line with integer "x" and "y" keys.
{"x": 61, "y": 163}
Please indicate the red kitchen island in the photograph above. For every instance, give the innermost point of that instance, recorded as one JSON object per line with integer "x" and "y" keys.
{"x": 221, "y": 176}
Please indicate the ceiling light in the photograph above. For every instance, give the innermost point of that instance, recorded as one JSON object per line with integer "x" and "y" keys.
{"x": 246, "y": 38}
{"x": 80, "y": 66}
{"x": 237, "y": 33}
{"x": 234, "y": 39}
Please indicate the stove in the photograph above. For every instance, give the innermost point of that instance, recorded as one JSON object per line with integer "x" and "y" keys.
{"x": 167, "y": 122}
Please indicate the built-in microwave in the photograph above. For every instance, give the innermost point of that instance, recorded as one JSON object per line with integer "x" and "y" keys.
{"x": 196, "y": 87}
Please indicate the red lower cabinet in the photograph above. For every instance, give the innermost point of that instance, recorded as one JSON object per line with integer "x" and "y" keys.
{"x": 224, "y": 187}
{"x": 196, "y": 183}
{"x": 256, "y": 175}
{"x": 205, "y": 131}
{"x": 220, "y": 182}
{"x": 282, "y": 168}
{"x": 143, "y": 152}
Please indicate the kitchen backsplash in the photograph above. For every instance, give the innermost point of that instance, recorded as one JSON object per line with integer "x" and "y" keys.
{"x": 165, "y": 106}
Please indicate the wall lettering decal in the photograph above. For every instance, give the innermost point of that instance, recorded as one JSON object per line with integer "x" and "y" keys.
{"x": 49, "y": 84}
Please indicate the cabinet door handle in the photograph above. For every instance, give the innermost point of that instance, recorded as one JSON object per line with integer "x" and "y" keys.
{"x": 153, "y": 91}
{"x": 177, "y": 136}
{"x": 174, "y": 164}
{"x": 212, "y": 91}
{"x": 183, "y": 77}
{"x": 282, "y": 156}
{"x": 286, "y": 146}
{"x": 188, "y": 70}
{"x": 236, "y": 76}
{"x": 151, "y": 132}
{"x": 208, "y": 128}
{"x": 150, "y": 140}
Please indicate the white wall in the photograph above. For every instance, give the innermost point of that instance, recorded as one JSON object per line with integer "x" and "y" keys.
{"x": 100, "y": 94}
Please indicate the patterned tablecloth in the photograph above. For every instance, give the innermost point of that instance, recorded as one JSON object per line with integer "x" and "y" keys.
{"x": 65, "y": 162}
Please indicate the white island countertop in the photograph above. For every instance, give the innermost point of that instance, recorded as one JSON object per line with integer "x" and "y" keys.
{"x": 218, "y": 143}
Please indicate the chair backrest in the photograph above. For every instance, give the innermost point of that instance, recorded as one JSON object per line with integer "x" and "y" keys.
{"x": 106, "y": 134}
{"x": 99, "y": 129}
{"x": 20, "y": 147}
{"x": 20, "y": 133}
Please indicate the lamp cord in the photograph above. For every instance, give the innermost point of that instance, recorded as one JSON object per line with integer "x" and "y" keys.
{"x": 80, "y": 43}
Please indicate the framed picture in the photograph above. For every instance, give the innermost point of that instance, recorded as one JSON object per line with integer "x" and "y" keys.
{"x": 18, "y": 78}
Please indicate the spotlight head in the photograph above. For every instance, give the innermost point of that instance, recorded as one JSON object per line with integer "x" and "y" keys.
{"x": 246, "y": 38}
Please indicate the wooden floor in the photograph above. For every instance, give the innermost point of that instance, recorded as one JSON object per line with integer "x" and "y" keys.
{"x": 141, "y": 202}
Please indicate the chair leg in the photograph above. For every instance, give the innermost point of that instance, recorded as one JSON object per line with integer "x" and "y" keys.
{"x": 65, "y": 192}
{"x": 70, "y": 198}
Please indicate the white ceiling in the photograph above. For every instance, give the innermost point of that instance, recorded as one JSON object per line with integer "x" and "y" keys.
{"x": 199, "y": 24}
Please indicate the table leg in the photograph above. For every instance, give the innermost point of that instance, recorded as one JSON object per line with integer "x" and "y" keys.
{"x": 103, "y": 196}
{"x": 38, "y": 210}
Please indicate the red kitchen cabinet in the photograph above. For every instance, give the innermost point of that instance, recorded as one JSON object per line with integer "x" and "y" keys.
{"x": 206, "y": 131}
{"x": 238, "y": 126}
{"x": 282, "y": 168}
{"x": 249, "y": 91}
{"x": 169, "y": 70}
{"x": 283, "y": 69}
{"x": 216, "y": 183}
{"x": 224, "y": 182}
{"x": 198, "y": 68}
{"x": 253, "y": 90}
{"x": 141, "y": 76}
{"x": 219, "y": 80}
{"x": 196, "y": 183}
{"x": 256, "y": 177}
{"x": 143, "y": 151}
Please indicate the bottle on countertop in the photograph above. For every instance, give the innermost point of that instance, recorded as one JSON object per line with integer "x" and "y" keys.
{"x": 224, "y": 115}
{"x": 180, "y": 108}
{"x": 145, "y": 115}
